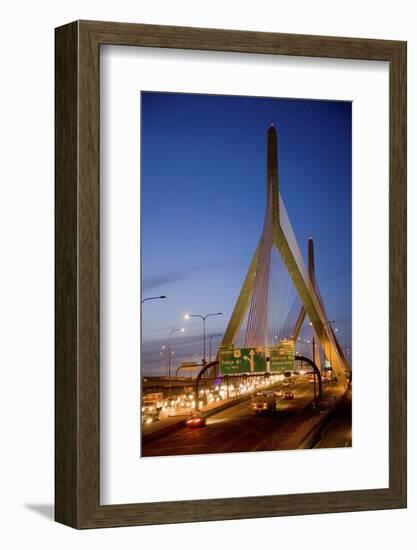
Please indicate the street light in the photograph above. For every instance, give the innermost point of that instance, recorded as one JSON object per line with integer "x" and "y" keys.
{"x": 164, "y": 355}
{"x": 153, "y": 298}
{"x": 210, "y": 339}
{"x": 203, "y": 317}
{"x": 169, "y": 348}
{"x": 161, "y": 353}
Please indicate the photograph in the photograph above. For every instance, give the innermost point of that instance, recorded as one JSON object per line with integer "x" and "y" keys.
{"x": 207, "y": 227}
{"x": 246, "y": 274}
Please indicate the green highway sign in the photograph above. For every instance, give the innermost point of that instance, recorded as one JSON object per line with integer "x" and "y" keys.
{"x": 241, "y": 361}
{"x": 281, "y": 357}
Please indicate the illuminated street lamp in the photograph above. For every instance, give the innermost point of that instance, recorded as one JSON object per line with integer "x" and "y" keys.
{"x": 164, "y": 355}
{"x": 169, "y": 348}
{"x": 203, "y": 317}
{"x": 161, "y": 353}
{"x": 210, "y": 339}
{"x": 153, "y": 298}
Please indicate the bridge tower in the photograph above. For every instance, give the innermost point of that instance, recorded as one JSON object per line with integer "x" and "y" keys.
{"x": 277, "y": 232}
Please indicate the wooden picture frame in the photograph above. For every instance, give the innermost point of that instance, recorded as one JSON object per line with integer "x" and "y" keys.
{"x": 77, "y": 374}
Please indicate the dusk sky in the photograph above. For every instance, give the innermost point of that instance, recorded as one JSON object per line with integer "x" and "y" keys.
{"x": 203, "y": 192}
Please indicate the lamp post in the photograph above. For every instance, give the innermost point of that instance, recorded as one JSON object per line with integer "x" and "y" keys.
{"x": 164, "y": 363}
{"x": 303, "y": 344}
{"x": 169, "y": 348}
{"x": 165, "y": 358}
{"x": 210, "y": 339}
{"x": 153, "y": 298}
{"x": 203, "y": 317}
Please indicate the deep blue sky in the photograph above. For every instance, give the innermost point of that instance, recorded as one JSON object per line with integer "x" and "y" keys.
{"x": 203, "y": 182}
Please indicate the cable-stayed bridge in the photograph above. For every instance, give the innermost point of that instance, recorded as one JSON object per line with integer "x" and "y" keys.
{"x": 254, "y": 304}
{"x": 279, "y": 295}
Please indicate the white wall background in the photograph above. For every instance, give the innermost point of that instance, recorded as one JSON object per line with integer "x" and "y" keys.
{"x": 26, "y": 271}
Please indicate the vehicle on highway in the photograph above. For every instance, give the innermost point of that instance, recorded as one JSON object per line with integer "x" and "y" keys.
{"x": 216, "y": 396}
{"x": 152, "y": 403}
{"x": 196, "y": 421}
{"x": 286, "y": 383}
{"x": 202, "y": 401}
{"x": 289, "y": 395}
{"x": 171, "y": 401}
{"x": 149, "y": 418}
{"x": 187, "y": 403}
{"x": 279, "y": 392}
{"x": 263, "y": 402}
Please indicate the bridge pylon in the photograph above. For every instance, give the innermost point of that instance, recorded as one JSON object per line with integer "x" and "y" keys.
{"x": 277, "y": 232}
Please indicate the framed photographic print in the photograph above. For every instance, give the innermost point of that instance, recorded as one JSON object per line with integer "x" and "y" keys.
{"x": 230, "y": 274}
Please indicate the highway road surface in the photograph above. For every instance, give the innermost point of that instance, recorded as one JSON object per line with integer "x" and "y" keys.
{"x": 236, "y": 429}
{"x": 338, "y": 432}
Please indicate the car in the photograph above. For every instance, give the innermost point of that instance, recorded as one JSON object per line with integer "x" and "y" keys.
{"x": 216, "y": 396}
{"x": 149, "y": 418}
{"x": 289, "y": 395}
{"x": 171, "y": 401}
{"x": 286, "y": 383}
{"x": 263, "y": 402}
{"x": 196, "y": 421}
{"x": 186, "y": 404}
